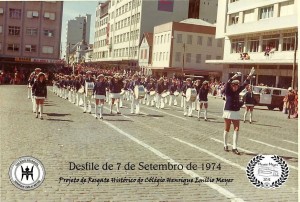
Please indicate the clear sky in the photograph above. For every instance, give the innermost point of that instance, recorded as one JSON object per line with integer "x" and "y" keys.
{"x": 73, "y": 9}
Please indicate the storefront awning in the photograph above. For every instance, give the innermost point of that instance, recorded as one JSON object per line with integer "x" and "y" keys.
{"x": 248, "y": 62}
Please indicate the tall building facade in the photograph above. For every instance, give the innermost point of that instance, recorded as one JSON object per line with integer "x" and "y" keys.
{"x": 30, "y": 32}
{"x": 121, "y": 24}
{"x": 203, "y": 9}
{"x": 264, "y": 30}
{"x": 78, "y": 30}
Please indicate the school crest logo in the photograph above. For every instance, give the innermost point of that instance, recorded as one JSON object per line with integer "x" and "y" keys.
{"x": 267, "y": 171}
{"x": 27, "y": 173}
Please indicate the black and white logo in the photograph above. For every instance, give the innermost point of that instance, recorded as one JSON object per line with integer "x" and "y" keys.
{"x": 27, "y": 173}
{"x": 267, "y": 171}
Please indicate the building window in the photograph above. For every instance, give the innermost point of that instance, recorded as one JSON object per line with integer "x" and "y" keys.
{"x": 209, "y": 41}
{"x": 189, "y": 39}
{"x": 199, "y": 40}
{"x": 48, "y": 33}
{"x": 208, "y": 57}
{"x": 253, "y": 45}
{"x": 198, "y": 58}
{"x": 237, "y": 45}
{"x": 161, "y": 39}
{"x": 286, "y": 8}
{"x": 142, "y": 53}
{"x": 0, "y": 46}
{"x": 177, "y": 56}
{"x": 50, "y": 16}
{"x": 219, "y": 42}
{"x": 13, "y": 47}
{"x": 145, "y": 54}
{"x": 160, "y": 56}
{"x": 188, "y": 57}
{"x": 15, "y": 13}
{"x": 13, "y": 30}
{"x": 219, "y": 57}
{"x": 32, "y": 14}
{"x": 234, "y": 18}
{"x": 266, "y": 12}
{"x": 179, "y": 38}
{"x": 30, "y": 48}
{"x": 270, "y": 42}
{"x": 47, "y": 49}
{"x": 288, "y": 42}
{"x": 31, "y": 31}
{"x": 1, "y": 29}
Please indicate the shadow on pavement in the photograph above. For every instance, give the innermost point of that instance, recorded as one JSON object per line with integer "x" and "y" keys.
{"x": 56, "y": 114}
{"x": 118, "y": 120}
{"x": 154, "y": 115}
{"x": 59, "y": 120}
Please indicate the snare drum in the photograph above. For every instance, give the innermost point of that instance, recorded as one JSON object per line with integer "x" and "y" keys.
{"x": 165, "y": 94}
{"x": 139, "y": 92}
{"x": 176, "y": 93}
{"x": 81, "y": 90}
{"x": 89, "y": 87}
{"x": 191, "y": 94}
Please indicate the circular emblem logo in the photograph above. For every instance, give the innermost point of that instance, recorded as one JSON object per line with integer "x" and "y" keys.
{"x": 267, "y": 171}
{"x": 27, "y": 173}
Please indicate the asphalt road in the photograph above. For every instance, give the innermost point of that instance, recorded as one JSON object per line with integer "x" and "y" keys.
{"x": 155, "y": 137}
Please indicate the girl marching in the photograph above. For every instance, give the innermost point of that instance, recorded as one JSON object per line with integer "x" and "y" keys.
{"x": 99, "y": 93}
{"x": 203, "y": 92}
{"x": 39, "y": 90}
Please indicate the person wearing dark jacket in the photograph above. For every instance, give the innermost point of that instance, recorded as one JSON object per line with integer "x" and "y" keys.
{"x": 249, "y": 103}
{"x": 99, "y": 93}
{"x": 115, "y": 88}
{"x": 203, "y": 92}
{"x": 231, "y": 110}
{"x": 39, "y": 90}
{"x": 135, "y": 104}
{"x": 159, "y": 90}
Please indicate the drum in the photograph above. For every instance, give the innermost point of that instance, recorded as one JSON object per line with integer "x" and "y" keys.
{"x": 191, "y": 94}
{"x": 176, "y": 93}
{"x": 165, "y": 94}
{"x": 89, "y": 87}
{"x": 152, "y": 93}
{"x": 81, "y": 90}
{"x": 139, "y": 92}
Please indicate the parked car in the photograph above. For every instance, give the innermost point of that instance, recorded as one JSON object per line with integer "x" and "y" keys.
{"x": 267, "y": 96}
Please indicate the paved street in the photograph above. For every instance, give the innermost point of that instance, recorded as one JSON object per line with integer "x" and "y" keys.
{"x": 155, "y": 137}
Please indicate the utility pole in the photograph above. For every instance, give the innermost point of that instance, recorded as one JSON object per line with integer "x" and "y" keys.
{"x": 69, "y": 54}
{"x": 182, "y": 70}
{"x": 294, "y": 63}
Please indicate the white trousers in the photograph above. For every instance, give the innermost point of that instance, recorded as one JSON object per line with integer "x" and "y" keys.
{"x": 187, "y": 107}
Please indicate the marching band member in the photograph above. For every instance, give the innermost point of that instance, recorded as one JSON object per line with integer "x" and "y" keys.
{"x": 39, "y": 90}
{"x": 29, "y": 93}
{"x": 249, "y": 103}
{"x": 143, "y": 83}
{"x": 126, "y": 89}
{"x": 79, "y": 94}
{"x": 231, "y": 110}
{"x": 172, "y": 89}
{"x": 159, "y": 90}
{"x": 99, "y": 93}
{"x": 108, "y": 79}
{"x": 166, "y": 88}
{"x": 203, "y": 92}
{"x": 115, "y": 87}
{"x": 134, "y": 102}
{"x": 187, "y": 103}
{"x": 150, "y": 87}
{"x": 87, "y": 99}
{"x": 182, "y": 97}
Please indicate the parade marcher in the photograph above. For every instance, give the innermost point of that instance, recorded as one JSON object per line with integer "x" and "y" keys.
{"x": 87, "y": 101}
{"x": 39, "y": 90}
{"x": 290, "y": 102}
{"x": 231, "y": 110}
{"x": 249, "y": 103}
{"x": 29, "y": 93}
{"x": 134, "y": 102}
{"x": 31, "y": 82}
{"x": 143, "y": 83}
{"x": 126, "y": 89}
{"x": 108, "y": 80}
{"x": 115, "y": 87}
{"x": 99, "y": 93}
{"x": 187, "y": 104}
{"x": 159, "y": 90}
{"x": 150, "y": 88}
{"x": 203, "y": 92}
{"x": 172, "y": 89}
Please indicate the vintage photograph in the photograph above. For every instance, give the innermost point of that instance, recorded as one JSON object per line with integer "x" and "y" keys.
{"x": 149, "y": 100}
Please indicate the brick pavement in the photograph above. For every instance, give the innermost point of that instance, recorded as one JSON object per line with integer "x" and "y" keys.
{"x": 66, "y": 134}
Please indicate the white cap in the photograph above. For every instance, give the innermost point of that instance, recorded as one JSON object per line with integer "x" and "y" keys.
{"x": 290, "y": 88}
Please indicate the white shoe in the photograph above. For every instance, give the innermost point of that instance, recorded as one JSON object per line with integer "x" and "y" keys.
{"x": 185, "y": 114}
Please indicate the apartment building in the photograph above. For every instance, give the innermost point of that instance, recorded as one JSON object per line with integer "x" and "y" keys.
{"x": 30, "y": 33}
{"x": 182, "y": 48}
{"x": 121, "y": 24}
{"x": 266, "y": 31}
